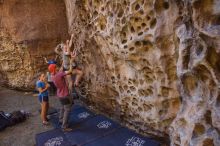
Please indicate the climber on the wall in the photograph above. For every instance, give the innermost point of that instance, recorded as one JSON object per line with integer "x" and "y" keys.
{"x": 62, "y": 92}
{"x": 65, "y": 51}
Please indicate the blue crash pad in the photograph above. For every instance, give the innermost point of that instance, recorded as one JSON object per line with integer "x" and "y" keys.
{"x": 124, "y": 137}
{"x": 52, "y": 138}
{"x": 76, "y": 106}
{"x": 78, "y": 114}
{"x": 91, "y": 130}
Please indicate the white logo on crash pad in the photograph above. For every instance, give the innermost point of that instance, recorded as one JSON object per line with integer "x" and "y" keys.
{"x": 57, "y": 141}
{"x": 83, "y": 115}
{"x": 135, "y": 141}
{"x": 104, "y": 125}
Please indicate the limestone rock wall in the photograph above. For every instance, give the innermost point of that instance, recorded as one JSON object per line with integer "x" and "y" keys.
{"x": 29, "y": 30}
{"x": 197, "y": 122}
{"x": 129, "y": 56}
{"x": 152, "y": 64}
{"x": 15, "y": 61}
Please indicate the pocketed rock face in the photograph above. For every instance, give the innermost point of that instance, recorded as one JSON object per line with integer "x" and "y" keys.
{"x": 197, "y": 122}
{"x": 142, "y": 57}
{"x": 29, "y": 30}
{"x": 129, "y": 56}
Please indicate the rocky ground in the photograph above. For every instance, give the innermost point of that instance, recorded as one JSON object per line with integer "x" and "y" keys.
{"x": 22, "y": 134}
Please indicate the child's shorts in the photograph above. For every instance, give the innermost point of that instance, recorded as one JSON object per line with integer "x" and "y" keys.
{"x": 43, "y": 99}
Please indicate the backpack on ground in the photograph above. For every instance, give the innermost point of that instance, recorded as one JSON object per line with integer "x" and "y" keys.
{"x": 4, "y": 121}
{"x": 17, "y": 117}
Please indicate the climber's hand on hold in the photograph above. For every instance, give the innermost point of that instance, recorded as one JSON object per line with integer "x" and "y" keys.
{"x": 73, "y": 54}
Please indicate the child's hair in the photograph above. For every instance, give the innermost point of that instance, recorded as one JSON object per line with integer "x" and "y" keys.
{"x": 41, "y": 75}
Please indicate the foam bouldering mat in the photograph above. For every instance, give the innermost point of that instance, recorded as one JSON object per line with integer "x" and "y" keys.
{"x": 53, "y": 137}
{"x": 78, "y": 114}
{"x": 91, "y": 130}
{"x": 123, "y": 137}
{"x": 76, "y": 106}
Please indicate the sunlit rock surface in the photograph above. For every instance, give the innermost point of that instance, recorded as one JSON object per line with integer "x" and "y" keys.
{"x": 29, "y": 30}
{"x": 129, "y": 56}
{"x": 151, "y": 64}
{"x": 197, "y": 122}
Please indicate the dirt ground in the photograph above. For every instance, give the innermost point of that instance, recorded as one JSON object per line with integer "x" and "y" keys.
{"x": 22, "y": 134}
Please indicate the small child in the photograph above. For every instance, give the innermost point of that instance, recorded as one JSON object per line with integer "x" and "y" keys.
{"x": 42, "y": 87}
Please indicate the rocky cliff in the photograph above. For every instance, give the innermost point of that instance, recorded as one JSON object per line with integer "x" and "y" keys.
{"x": 29, "y": 31}
{"x": 151, "y": 64}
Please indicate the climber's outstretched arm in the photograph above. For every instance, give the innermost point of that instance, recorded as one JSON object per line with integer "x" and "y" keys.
{"x": 71, "y": 41}
{"x": 57, "y": 49}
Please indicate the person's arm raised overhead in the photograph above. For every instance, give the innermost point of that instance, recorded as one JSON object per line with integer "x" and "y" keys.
{"x": 68, "y": 48}
{"x": 70, "y": 42}
{"x": 45, "y": 59}
{"x": 57, "y": 49}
